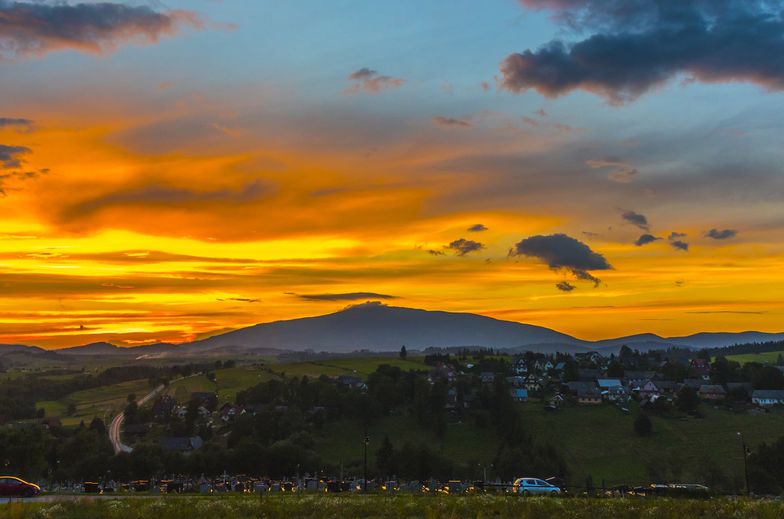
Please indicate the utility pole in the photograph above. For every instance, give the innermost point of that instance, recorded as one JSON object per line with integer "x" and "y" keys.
{"x": 364, "y": 477}
{"x": 745, "y": 463}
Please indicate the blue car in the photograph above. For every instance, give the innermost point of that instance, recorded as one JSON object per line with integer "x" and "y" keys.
{"x": 534, "y": 486}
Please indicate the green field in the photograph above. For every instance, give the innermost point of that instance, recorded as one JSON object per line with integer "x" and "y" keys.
{"x": 102, "y": 402}
{"x": 360, "y": 367}
{"x": 394, "y": 507}
{"x": 600, "y": 441}
{"x": 463, "y": 442}
{"x": 770, "y": 357}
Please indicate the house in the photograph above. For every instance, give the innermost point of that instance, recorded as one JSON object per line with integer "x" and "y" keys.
{"x": 589, "y": 396}
{"x": 612, "y": 389}
{"x": 351, "y": 381}
{"x": 635, "y": 379}
{"x": 228, "y": 412}
{"x": 164, "y": 405}
{"x": 700, "y": 368}
{"x": 519, "y": 394}
{"x": 712, "y": 392}
{"x": 442, "y": 372}
{"x": 560, "y": 366}
{"x": 533, "y": 383}
{"x": 768, "y": 397}
{"x": 516, "y": 381}
{"x": 181, "y": 444}
{"x": 656, "y": 387}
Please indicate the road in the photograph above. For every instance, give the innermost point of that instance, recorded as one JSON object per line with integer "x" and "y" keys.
{"x": 116, "y": 425}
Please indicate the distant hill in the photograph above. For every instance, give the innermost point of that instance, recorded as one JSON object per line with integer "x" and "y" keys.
{"x": 377, "y": 327}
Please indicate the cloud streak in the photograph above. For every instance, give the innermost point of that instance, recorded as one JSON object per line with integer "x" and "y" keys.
{"x": 634, "y": 47}
{"x": 348, "y": 296}
{"x": 35, "y": 28}
{"x": 371, "y": 82}
{"x": 451, "y": 122}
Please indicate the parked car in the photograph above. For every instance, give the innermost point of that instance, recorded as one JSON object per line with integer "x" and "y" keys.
{"x": 531, "y": 486}
{"x": 13, "y": 486}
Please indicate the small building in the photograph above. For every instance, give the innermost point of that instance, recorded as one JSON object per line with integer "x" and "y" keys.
{"x": 712, "y": 392}
{"x": 519, "y": 394}
{"x": 589, "y": 396}
{"x": 609, "y": 383}
{"x": 768, "y": 397}
{"x": 228, "y": 412}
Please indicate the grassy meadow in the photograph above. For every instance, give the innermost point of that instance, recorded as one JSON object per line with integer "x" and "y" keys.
{"x": 356, "y": 506}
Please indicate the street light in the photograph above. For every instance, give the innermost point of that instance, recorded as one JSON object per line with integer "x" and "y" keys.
{"x": 745, "y": 463}
{"x": 364, "y": 477}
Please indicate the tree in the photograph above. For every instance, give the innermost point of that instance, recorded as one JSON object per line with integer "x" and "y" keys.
{"x": 385, "y": 458}
{"x": 131, "y": 398}
{"x": 688, "y": 399}
{"x": 643, "y": 425}
{"x": 403, "y": 353}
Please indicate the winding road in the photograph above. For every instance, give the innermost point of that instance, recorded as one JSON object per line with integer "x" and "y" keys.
{"x": 116, "y": 425}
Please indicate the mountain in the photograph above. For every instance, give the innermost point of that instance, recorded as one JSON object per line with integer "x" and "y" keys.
{"x": 6, "y": 349}
{"x": 377, "y": 327}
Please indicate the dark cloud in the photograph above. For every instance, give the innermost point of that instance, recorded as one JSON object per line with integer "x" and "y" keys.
{"x": 635, "y": 46}
{"x": 674, "y": 235}
{"x": 560, "y": 251}
{"x": 462, "y": 246}
{"x": 241, "y": 300}
{"x": 6, "y": 122}
{"x": 370, "y": 81}
{"x": 36, "y": 28}
{"x": 451, "y": 122}
{"x": 479, "y": 227}
{"x": 680, "y": 245}
{"x": 349, "y": 296}
{"x": 721, "y": 235}
{"x": 436, "y": 252}
{"x": 636, "y": 219}
{"x": 10, "y": 156}
{"x": 565, "y": 286}
{"x": 645, "y": 239}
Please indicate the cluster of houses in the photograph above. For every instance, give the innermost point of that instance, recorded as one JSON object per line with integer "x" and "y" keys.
{"x": 546, "y": 376}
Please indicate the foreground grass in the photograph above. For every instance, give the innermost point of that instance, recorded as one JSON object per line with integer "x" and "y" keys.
{"x": 328, "y": 507}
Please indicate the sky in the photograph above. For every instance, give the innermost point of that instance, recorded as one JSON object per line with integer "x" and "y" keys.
{"x": 170, "y": 170}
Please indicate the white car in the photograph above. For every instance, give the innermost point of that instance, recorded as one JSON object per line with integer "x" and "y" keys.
{"x": 532, "y": 486}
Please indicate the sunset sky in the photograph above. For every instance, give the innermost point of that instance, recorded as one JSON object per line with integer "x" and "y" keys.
{"x": 171, "y": 170}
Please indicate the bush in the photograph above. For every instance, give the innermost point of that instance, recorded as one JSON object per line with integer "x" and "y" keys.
{"x": 643, "y": 425}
